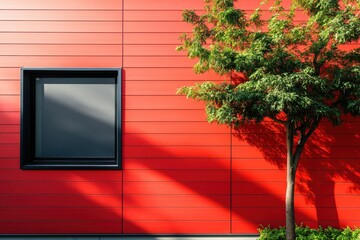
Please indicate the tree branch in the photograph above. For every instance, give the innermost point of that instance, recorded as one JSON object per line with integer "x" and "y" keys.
{"x": 340, "y": 98}
{"x": 315, "y": 63}
{"x": 277, "y": 120}
{"x": 312, "y": 129}
{"x": 303, "y": 139}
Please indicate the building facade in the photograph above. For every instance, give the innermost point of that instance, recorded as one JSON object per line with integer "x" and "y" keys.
{"x": 179, "y": 174}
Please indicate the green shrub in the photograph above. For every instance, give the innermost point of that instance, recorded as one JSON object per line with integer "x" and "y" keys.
{"x": 307, "y": 233}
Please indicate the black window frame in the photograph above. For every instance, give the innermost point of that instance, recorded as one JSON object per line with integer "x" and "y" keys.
{"x": 27, "y": 120}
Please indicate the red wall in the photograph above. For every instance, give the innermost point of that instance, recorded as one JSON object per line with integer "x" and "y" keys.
{"x": 181, "y": 174}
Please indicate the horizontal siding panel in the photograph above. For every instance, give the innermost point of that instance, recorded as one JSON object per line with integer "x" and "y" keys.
{"x": 253, "y": 152}
{"x": 329, "y": 165}
{"x": 161, "y": 102}
{"x": 159, "y": 62}
{"x": 176, "y": 214}
{"x": 63, "y": 38}
{"x": 266, "y": 127}
{"x": 319, "y": 176}
{"x": 9, "y": 87}
{"x": 59, "y": 214}
{"x": 324, "y": 131}
{"x": 57, "y": 61}
{"x": 162, "y": 4}
{"x": 59, "y": 27}
{"x": 173, "y": 163}
{"x": 10, "y": 103}
{"x": 9, "y": 128}
{"x": 60, "y": 15}
{"x": 163, "y": 115}
{"x": 11, "y": 175}
{"x": 9, "y": 138}
{"x": 65, "y": 227}
{"x": 177, "y": 227}
{"x": 9, "y": 117}
{"x": 177, "y": 188}
{"x": 60, "y": 188}
{"x": 338, "y": 139}
{"x": 150, "y": 175}
{"x": 9, "y": 73}
{"x": 172, "y": 139}
{"x": 168, "y": 74}
{"x": 254, "y": 164}
{"x": 188, "y": 4}
{"x": 152, "y": 38}
{"x": 332, "y": 153}
{"x": 9, "y": 151}
{"x": 258, "y": 139}
{"x": 259, "y": 175}
{"x": 178, "y": 201}
{"x": 46, "y": 5}
{"x": 252, "y": 201}
{"x": 352, "y": 200}
{"x": 278, "y": 188}
{"x": 9, "y": 163}
{"x": 156, "y": 88}
{"x": 153, "y": 88}
{"x": 60, "y": 50}
{"x": 349, "y": 126}
{"x": 174, "y": 152}
{"x": 278, "y": 214}
{"x": 61, "y": 202}
{"x": 158, "y": 27}
{"x": 345, "y": 214}
{"x": 262, "y": 214}
{"x": 153, "y": 50}
{"x": 321, "y": 201}
{"x": 264, "y": 189}
{"x": 251, "y": 227}
{"x": 173, "y": 127}
{"x": 311, "y": 152}
{"x": 153, "y": 15}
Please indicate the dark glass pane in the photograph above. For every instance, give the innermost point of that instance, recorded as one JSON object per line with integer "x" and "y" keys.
{"x": 75, "y": 117}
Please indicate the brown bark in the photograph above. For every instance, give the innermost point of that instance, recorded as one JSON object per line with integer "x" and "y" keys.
{"x": 290, "y": 183}
{"x": 293, "y": 156}
{"x": 290, "y": 213}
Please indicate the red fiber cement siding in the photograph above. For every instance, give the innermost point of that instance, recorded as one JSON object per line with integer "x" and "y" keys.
{"x": 180, "y": 174}
{"x": 55, "y": 34}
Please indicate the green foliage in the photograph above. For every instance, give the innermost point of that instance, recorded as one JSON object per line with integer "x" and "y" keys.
{"x": 297, "y": 72}
{"x": 306, "y": 233}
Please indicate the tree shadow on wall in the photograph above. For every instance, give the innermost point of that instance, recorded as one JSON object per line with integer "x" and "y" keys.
{"x": 99, "y": 193}
{"x": 328, "y": 165}
{"x": 211, "y": 193}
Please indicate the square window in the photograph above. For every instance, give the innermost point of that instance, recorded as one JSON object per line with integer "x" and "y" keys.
{"x": 70, "y": 118}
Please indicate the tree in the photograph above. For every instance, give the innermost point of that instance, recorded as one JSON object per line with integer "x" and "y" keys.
{"x": 295, "y": 73}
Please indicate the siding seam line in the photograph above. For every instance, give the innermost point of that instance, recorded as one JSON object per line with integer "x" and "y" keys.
{"x": 122, "y": 160}
{"x": 231, "y": 179}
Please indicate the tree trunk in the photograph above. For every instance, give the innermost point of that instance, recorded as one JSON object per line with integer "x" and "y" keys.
{"x": 290, "y": 183}
{"x": 290, "y": 213}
